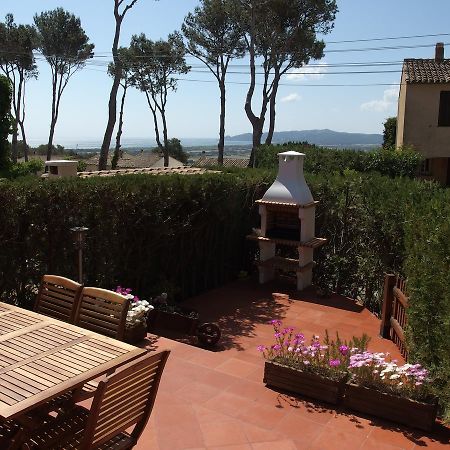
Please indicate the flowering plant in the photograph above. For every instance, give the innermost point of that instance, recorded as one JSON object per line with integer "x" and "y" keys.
{"x": 378, "y": 371}
{"x": 329, "y": 358}
{"x": 137, "y": 312}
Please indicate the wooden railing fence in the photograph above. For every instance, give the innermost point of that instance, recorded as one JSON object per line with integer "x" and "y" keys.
{"x": 394, "y": 312}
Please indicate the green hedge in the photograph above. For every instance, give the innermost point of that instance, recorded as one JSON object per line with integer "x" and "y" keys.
{"x": 427, "y": 267}
{"x": 327, "y": 160}
{"x": 183, "y": 234}
{"x": 188, "y": 233}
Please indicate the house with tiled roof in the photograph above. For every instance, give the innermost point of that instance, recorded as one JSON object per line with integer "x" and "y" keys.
{"x": 209, "y": 161}
{"x": 423, "y": 120}
{"x": 144, "y": 159}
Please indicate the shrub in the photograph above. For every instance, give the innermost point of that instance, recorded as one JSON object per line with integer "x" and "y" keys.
{"x": 326, "y": 160}
{"x": 81, "y": 166}
{"x": 427, "y": 264}
{"x": 13, "y": 171}
{"x": 147, "y": 232}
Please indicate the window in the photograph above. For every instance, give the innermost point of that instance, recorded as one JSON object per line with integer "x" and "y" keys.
{"x": 444, "y": 109}
{"x": 425, "y": 167}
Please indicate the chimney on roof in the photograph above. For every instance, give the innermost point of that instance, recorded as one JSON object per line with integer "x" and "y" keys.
{"x": 439, "y": 55}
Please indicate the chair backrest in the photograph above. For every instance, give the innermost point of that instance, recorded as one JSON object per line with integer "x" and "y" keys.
{"x": 58, "y": 297}
{"x": 125, "y": 399}
{"x": 102, "y": 311}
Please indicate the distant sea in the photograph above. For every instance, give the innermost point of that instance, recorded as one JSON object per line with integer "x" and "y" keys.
{"x": 191, "y": 145}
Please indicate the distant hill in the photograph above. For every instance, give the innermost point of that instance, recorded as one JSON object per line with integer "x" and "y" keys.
{"x": 328, "y": 138}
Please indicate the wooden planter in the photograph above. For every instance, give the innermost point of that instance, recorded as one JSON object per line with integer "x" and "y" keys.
{"x": 307, "y": 384}
{"x": 387, "y": 406}
{"x": 171, "y": 321}
{"x": 136, "y": 333}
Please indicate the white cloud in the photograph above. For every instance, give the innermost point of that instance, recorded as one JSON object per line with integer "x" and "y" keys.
{"x": 308, "y": 73}
{"x": 291, "y": 98}
{"x": 388, "y": 101}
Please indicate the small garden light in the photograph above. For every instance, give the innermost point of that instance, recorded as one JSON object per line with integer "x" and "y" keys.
{"x": 80, "y": 242}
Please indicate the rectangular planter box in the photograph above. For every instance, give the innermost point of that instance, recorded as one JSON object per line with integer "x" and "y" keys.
{"x": 386, "y": 406}
{"x": 307, "y": 384}
{"x": 171, "y": 321}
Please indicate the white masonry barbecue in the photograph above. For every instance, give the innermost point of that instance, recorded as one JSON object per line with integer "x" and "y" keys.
{"x": 287, "y": 213}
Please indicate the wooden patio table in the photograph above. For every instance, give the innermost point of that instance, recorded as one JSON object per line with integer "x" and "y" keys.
{"x": 42, "y": 358}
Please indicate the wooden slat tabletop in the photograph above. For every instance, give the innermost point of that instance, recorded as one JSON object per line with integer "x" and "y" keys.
{"x": 41, "y": 358}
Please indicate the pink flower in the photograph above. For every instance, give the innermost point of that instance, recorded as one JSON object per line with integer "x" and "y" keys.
{"x": 334, "y": 362}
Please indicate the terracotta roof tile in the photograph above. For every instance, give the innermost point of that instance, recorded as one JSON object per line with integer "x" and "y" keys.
{"x": 148, "y": 171}
{"x": 427, "y": 70}
{"x": 209, "y": 161}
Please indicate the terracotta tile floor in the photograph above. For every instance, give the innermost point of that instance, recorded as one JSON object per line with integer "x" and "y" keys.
{"x": 216, "y": 399}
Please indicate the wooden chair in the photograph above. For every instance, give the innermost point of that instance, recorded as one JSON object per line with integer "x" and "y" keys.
{"x": 8, "y": 431}
{"x": 58, "y": 297}
{"x": 102, "y": 311}
{"x": 125, "y": 399}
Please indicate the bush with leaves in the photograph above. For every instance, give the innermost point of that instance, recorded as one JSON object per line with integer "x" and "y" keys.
{"x": 327, "y": 160}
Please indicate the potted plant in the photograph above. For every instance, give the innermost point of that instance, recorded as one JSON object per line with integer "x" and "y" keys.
{"x": 168, "y": 315}
{"x": 316, "y": 369}
{"x": 380, "y": 387}
{"x": 136, "y": 323}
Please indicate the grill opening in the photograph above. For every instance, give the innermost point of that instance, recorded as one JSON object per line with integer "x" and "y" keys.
{"x": 283, "y": 225}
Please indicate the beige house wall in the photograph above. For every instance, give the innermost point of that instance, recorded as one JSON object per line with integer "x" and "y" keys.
{"x": 401, "y": 113}
{"x": 418, "y": 120}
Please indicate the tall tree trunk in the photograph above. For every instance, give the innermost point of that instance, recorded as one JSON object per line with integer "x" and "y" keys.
{"x": 254, "y": 120}
{"x": 14, "y": 151}
{"x": 221, "y": 144}
{"x": 155, "y": 122}
{"x": 24, "y": 140}
{"x": 272, "y": 113}
{"x": 16, "y": 106}
{"x": 116, "y": 156}
{"x": 22, "y": 126}
{"x": 53, "y": 120}
{"x": 112, "y": 107}
{"x": 50, "y": 140}
{"x": 166, "y": 139}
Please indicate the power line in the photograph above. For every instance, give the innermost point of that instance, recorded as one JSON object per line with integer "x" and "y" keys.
{"x": 388, "y": 38}
{"x": 371, "y": 49}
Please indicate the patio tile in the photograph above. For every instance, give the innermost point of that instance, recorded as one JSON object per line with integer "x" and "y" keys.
{"x": 373, "y": 444}
{"x": 257, "y": 434}
{"x": 227, "y": 403}
{"x": 196, "y": 392}
{"x": 236, "y": 367}
{"x": 217, "y": 400}
{"x": 336, "y": 439}
{"x": 301, "y": 430}
{"x": 285, "y": 444}
{"x": 223, "y": 432}
{"x": 349, "y": 423}
{"x": 394, "y": 436}
{"x": 263, "y": 415}
{"x": 232, "y": 447}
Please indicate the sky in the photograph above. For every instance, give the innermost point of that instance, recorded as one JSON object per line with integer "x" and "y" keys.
{"x": 311, "y": 98}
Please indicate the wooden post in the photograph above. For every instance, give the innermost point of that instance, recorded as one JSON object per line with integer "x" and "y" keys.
{"x": 388, "y": 299}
